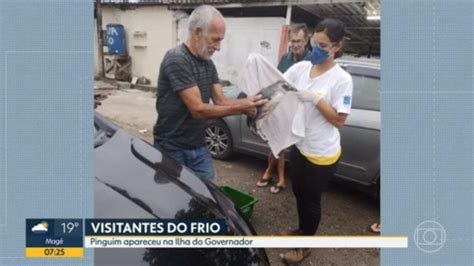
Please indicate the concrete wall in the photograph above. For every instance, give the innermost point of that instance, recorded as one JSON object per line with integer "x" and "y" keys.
{"x": 243, "y": 36}
{"x": 153, "y": 30}
{"x": 150, "y": 32}
{"x": 96, "y": 56}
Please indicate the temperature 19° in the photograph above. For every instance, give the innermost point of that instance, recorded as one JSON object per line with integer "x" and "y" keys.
{"x": 69, "y": 227}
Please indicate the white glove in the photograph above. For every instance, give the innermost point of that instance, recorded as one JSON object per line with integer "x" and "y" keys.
{"x": 307, "y": 96}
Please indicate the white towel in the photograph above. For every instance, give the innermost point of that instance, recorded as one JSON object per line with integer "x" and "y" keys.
{"x": 256, "y": 74}
{"x": 285, "y": 126}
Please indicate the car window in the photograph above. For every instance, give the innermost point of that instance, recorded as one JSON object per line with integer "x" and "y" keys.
{"x": 366, "y": 93}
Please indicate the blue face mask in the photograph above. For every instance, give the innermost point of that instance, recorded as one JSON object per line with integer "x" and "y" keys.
{"x": 319, "y": 55}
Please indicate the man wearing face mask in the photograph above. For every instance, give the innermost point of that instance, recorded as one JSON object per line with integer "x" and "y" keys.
{"x": 187, "y": 81}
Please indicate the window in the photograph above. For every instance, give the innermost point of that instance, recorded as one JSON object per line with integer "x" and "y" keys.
{"x": 366, "y": 93}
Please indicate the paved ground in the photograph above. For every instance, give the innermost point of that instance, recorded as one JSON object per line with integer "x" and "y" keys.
{"x": 345, "y": 211}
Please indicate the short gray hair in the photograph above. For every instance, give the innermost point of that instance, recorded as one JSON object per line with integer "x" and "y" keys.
{"x": 296, "y": 28}
{"x": 201, "y": 18}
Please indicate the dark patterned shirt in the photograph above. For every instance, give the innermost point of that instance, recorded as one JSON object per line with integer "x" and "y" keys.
{"x": 175, "y": 129}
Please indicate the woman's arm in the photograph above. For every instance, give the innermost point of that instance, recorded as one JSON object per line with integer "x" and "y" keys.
{"x": 336, "y": 119}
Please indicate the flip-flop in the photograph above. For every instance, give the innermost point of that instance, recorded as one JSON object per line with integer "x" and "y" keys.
{"x": 264, "y": 182}
{"x": 375, "y": 228}
{"x": 276, "y": 189}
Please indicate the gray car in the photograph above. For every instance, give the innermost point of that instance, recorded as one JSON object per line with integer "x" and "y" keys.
{"x": 360, "y": 136}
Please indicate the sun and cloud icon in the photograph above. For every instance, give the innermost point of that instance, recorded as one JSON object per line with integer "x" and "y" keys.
{"x": 40, "y": 228}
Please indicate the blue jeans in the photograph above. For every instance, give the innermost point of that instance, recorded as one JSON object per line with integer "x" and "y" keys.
{"x": 198, "y": 160}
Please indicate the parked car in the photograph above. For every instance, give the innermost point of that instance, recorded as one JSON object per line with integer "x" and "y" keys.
{"x": 360, "y": 136}
{"x": 135, "y": 180}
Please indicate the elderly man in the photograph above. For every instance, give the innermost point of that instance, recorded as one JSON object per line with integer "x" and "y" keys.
{"x": 299, "y": 36}
{"x": 187, "y": 81}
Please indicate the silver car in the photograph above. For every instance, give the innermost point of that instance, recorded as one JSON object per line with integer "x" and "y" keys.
{"x": 360, "y": 136}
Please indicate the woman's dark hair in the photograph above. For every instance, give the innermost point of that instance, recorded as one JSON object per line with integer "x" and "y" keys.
{"x": 334, "y": 29}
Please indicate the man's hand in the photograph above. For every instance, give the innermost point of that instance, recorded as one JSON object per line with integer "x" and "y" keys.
{"x": 191, "y": 97}
{"x": 250, "y": 104}
{"x": 252, "y": 112}
{"x": 312, "y": 97}
{"x": 257, "y": 100}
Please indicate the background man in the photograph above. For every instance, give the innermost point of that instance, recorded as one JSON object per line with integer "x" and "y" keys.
{"x": 299, "y": 36}
{"x": 187, "y": 81}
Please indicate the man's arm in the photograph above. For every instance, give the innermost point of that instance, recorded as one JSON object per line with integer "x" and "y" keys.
{"x": 191, "y": 97}
{"x": 219, "y": 98}
{"x": 217, "y": 95}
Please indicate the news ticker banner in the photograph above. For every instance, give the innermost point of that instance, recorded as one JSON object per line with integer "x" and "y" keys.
{"x": 206, "y": 241}
{"x": 67, "y": 238}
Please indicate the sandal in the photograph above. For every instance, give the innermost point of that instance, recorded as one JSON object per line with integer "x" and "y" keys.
{"x": 276, "y": 189}
{"x": 375, "y": 228}
{"x": 264, "y": 182}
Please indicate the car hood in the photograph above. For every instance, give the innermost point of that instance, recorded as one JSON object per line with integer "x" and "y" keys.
{"x": 159, "y": 185}
{"x": 134, "y": 180}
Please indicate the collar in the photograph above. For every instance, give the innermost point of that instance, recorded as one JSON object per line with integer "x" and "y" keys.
{"x": 305, "y": 53}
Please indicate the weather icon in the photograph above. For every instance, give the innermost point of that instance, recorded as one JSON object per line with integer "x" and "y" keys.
{"x": 40, "y": 228}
